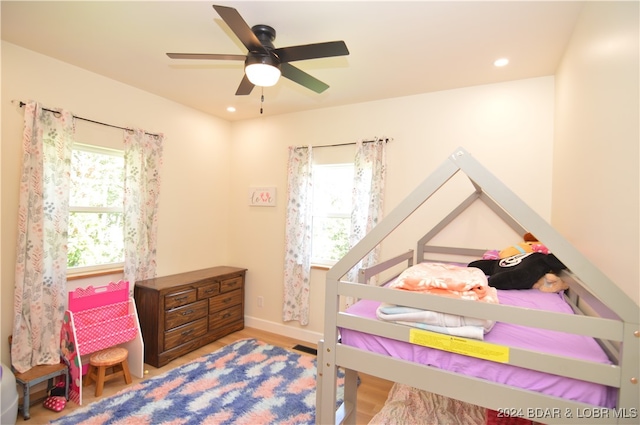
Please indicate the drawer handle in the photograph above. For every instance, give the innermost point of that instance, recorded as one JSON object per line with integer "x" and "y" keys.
{"x": 227, "y": 300}
{"x": 185, "y": 313}
{"x": 185, "y": 333}
{"x": 182, "y": 298}
{"x": 208, "y": 291}
{"x": 226, "y": 315}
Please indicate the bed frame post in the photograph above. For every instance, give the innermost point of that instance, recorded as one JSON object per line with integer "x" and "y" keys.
{"x": 350, "y": 397}
{"x": 327, "y": 369}
{"x": 630, "y": 371}
{"x": 319, "y": 374}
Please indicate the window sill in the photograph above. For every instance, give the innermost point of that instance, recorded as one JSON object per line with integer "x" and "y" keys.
{"x": 97, "y": 273}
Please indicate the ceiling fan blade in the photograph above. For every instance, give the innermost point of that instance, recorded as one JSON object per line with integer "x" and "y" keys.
{"x": 206, "y": 56}
{"x": 312, "y": 51}
{"x": 240, "y": 28}
{"x": 299, "y": 76}
{"x": 245, "y": 87}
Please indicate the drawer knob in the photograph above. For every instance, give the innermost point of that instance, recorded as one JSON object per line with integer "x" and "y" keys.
{"x": 186, "y": 313}
{"x": 187, "y": 332}
{"x": 226, "y": 300}
{"x": 181, "y": 298}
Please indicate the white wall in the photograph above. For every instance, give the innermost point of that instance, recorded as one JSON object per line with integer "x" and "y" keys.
{"x": 596, "y": 150}
{"x": 508, "y": 127}
{"x": 193, "y": 227}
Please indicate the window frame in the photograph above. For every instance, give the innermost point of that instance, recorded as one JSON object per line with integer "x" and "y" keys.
{"x": 319, "y": 261}
{"x": 96, "y": 269}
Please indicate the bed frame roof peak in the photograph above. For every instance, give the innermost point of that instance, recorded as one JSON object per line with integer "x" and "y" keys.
{"x": 507, "y": 205}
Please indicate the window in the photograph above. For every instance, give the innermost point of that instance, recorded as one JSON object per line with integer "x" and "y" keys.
{"x": 96, "y": 209}
{"x": 331, "y": 226}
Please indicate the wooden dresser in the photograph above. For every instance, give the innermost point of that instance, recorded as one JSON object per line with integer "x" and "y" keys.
{"x": 185, "y": 311}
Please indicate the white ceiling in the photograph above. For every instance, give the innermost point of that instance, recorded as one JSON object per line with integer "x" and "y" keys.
{"x": 396, "y": 48}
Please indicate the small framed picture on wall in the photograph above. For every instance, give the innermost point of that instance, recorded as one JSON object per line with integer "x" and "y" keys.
{"x": 262, "y": 196}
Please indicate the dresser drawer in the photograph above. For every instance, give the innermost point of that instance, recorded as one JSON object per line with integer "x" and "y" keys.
{"x": 185, "y": 333}
{"x": 224, "y": 317}
{"x": 222, "y": 301}
{"x": 231, "y": 284}
{"x": 177, "y": 299}
{"x": 188, "y": 313}
{"x": 208, "y": 290}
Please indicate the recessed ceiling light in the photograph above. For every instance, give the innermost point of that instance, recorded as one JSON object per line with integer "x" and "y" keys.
{"x": 231, "y": 109}
{"x": 501, "y": 62}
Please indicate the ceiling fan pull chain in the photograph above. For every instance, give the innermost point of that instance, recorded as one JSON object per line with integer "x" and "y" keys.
{"x": 261, "y": 99}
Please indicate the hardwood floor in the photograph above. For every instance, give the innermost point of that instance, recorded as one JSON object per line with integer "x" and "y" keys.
{"x": 372, "y": 391}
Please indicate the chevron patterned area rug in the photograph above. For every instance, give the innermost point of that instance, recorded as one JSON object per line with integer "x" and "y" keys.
{"x": 248, "y": 382}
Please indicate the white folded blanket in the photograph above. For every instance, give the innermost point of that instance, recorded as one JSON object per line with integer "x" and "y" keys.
{"x": 444, "y": 323}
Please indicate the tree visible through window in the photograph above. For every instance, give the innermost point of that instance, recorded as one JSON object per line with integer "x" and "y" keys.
{"x": 96, "y": 207}
{"x": 332, "y": 199}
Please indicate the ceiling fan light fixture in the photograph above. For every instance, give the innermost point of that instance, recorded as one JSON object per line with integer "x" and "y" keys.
{"x": 262, "y": 71}
{"x": 262, "y": 75}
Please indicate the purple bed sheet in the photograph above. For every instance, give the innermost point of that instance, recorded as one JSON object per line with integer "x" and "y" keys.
{"x": 560, "y": 343}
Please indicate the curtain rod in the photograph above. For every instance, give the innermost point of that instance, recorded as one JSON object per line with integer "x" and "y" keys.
{"x": 384, "y": 139}
{"x": 22, "y": 104}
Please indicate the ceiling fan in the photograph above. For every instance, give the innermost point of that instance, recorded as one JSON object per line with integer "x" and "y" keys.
{"x": 264, "y": 63}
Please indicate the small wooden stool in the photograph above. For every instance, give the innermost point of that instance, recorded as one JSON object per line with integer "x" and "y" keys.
{"x": 111, "y": 358}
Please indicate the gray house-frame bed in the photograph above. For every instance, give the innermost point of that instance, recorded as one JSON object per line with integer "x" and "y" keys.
{"x": 599, "y": 311}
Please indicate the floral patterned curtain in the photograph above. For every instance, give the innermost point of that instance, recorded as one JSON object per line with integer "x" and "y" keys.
{"x": 297, "y": 261}
{"x": 143, "y": 159}
{"x": 43, "y": 213}
{"x": 368, "y": 198}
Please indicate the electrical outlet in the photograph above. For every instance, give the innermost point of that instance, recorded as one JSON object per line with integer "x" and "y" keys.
{"x": 260, "y": 301}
